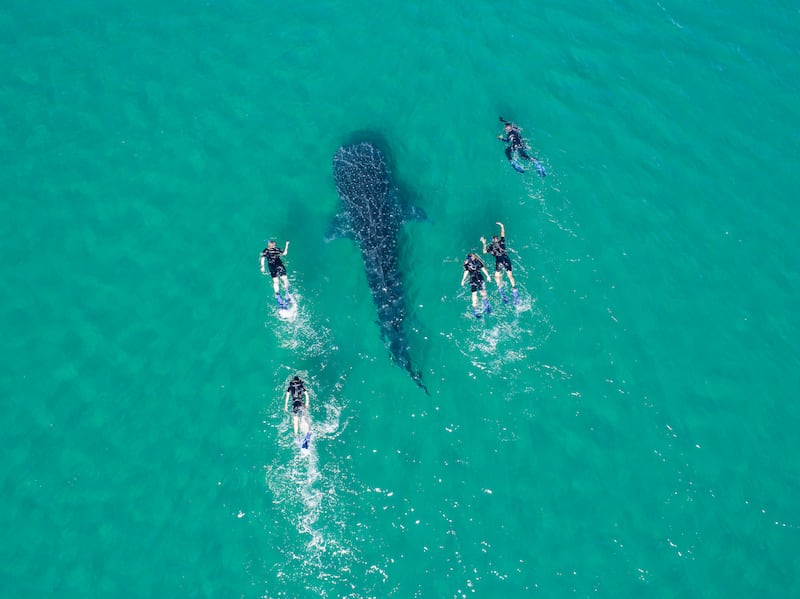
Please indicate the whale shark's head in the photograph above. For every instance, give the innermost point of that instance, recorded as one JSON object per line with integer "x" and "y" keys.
{"x": 360, "y": 172}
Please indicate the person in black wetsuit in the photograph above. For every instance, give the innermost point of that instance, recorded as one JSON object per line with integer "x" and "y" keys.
{"x": 271, "y": 255}
{"x": 475, "y": 270}
{"x": 513, "y": 137}
{"x": 300, "y": 401}
{"x": 497, "y": 248}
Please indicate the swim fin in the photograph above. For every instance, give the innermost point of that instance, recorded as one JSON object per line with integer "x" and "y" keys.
{"x": 539, "y": 168}
{"x": 503, "y": 295}
{"x": 486, "y": 307}
{"x": 515, "y": 293}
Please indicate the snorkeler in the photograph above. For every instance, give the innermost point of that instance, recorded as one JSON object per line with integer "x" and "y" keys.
{"x": 513, "y": 137}
{"x": 497, "y": 248}
{"x": 300, "y": 401}
{"x": 272, "y": 256}
{"x": 475, "y": 270}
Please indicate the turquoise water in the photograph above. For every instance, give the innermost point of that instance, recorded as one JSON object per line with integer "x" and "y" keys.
{"x": 629, "y": 431}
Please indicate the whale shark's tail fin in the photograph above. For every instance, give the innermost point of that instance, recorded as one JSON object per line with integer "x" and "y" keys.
{"x": 399, "y": 352}
{"x": 417, "y": 378}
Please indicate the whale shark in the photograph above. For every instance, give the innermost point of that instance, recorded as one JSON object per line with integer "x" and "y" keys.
{"x": 371, "y": 213}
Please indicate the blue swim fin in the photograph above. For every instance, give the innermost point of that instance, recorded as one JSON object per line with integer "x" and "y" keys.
{"x": 476, "y": 313}
{"x": 539, "y": 168}
{"x": 503, "y": 295}
{"x": 515, "y": 293}
{"x": 307, "y": 438}
{"x": 517, "y": 166}
{"x": 486, "y": 307}
{"x": 280, "y": 301}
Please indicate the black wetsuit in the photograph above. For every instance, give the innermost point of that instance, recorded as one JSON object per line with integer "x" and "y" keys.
{"x": 273, "y": 256}
{"x": 473, "y": 266}
{"x": 498, "y": 250}
{"x": 297, "y": 389}
{"x": 515, "y": 144}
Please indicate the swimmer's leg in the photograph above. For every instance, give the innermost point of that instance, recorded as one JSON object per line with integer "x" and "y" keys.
{"x": 511, "y": 278}
{"x": 475, "y": 311}
{"x": 285, "y": 281}
{"x": 486, "y": 307}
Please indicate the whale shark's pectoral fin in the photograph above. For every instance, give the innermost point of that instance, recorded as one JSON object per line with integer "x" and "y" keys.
{"x": 411, "y": 212}
{"x": 340, "y": 227}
